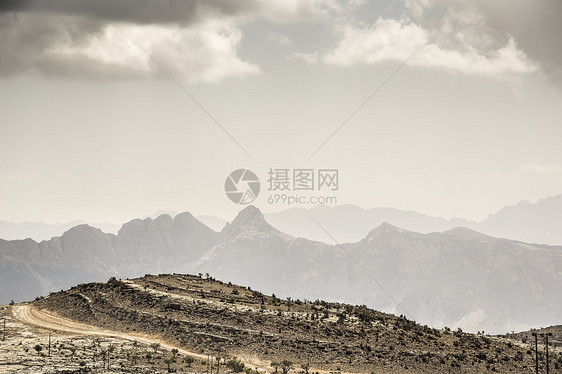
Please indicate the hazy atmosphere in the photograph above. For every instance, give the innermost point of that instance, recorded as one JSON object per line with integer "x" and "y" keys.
{"x": 296, "y": 186}
{"x": 115, "y": 110}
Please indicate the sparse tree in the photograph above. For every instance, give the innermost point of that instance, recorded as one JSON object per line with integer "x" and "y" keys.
{"x": 188, "y": 360}
{"x": 155, "y": 347}
{"x": 218, "y": 363}
{"x": 275, "y": 365}
{"x": 286, "y": 366}
{"x": 174, "y": 352}
{"x": 235, "y": 365}
{"x": 305, "y": 367}
{"x": 110, "y": 350}
{"x": 103, "y": 355}
{"x": 168, "y": 362}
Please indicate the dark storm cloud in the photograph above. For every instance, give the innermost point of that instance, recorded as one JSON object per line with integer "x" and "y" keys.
{"x": 32, "y": 31}
{"x": 135, "y": 11}
{"x": 25, "y": 40}
{"x": 536, "y": 25}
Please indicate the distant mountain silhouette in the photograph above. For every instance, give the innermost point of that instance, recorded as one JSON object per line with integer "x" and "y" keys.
{"x": 535, "y": 223}
{"x": 457, "y": 278}
{"x": 85, "y": 253}
{"x": 44, "y": 231}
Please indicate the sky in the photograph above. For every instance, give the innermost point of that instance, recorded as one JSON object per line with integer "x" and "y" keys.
{"x": 113, "y": 110}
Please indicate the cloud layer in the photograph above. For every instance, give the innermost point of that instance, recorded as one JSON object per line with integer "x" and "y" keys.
{"x": 200, "y": 40}
{"x": 488, "y": 25}
{"x": 392, "y": 40}
{"x": 194, "y": 40}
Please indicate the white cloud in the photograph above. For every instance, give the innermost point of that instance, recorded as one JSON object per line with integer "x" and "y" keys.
{"x": 310, "y": 58}
{"x": 280, "y": 39}
{"x": 395, "y": 40}
{"x": 306, "y": 10}
{"x": 288, "y": 11}
{"x": 387, "y": 40}
{"x": 196, "y": 41}
{"x": 418, "y": 7}
{"x": 206, "y": 52}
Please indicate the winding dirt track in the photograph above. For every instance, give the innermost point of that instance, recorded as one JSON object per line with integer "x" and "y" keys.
{"x": 30, "y": 315}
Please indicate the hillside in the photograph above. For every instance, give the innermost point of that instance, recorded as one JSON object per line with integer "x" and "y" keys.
{"x": 554, "y": 336}
{"x": 212, "y": 317}
{"x": 457, "y": 278}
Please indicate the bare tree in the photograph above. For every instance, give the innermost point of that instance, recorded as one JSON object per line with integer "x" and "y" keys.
{"x": 286, "y": 366}
{"x": 168, "y": 361}
{"x": 155, "y": 347}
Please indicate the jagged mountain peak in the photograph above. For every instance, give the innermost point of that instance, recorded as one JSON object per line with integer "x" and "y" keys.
{"x": 249, "y": 218}
{"x": 185, "y": 219}
{"x": 81, "y": 229}
{"x": 384, "y": 227}
{"x": 464, "y": 232}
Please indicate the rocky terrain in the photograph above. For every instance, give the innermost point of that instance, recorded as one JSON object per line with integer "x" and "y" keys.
{"x": 554, "y": 336}
{"x": 457, "y": 278}
{"x": 30, "y": 349}
{"x": 209, "y": 317}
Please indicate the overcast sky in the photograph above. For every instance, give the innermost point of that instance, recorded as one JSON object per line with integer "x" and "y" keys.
{"x": 94, "y": 125}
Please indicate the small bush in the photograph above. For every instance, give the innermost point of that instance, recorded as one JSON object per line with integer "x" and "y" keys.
{"x": 235, "y": 365}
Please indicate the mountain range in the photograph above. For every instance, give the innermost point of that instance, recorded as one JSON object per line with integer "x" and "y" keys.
{"x": 540, "y": 222}
{"x": 457, "y": 278}
{"x": 44, "y": 231}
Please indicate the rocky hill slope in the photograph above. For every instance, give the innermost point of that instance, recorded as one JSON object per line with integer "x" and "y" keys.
{"x": 458, "y": 278}
{"x": 225, "y": 320}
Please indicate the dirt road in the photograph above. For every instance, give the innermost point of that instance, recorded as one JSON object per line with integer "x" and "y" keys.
{"x": 30, "y": 315}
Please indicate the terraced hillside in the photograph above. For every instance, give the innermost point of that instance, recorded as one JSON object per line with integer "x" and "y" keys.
{"x": 212, "y": 317}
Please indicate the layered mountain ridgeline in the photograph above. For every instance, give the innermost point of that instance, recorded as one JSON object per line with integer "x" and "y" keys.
{"x": 458, "y": 278}
{"x": 211, "y": 317}
{"x": 540, "y": 222}
{"x": 455, "y": 278}
{"x": 45, "y": 231}
{"x": 84, "y": 254}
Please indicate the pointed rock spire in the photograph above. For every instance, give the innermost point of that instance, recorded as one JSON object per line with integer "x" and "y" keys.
{"x": 250, "y": 218}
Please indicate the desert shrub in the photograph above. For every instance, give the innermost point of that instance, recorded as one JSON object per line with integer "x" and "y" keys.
{"x": 235, "y": 365}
